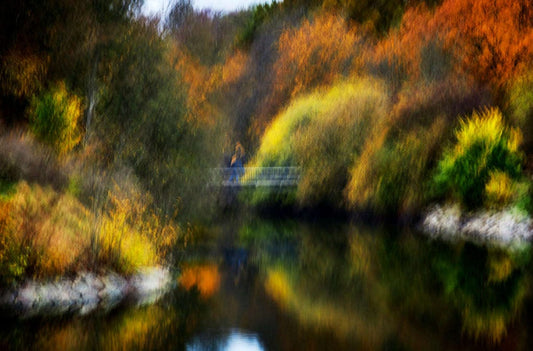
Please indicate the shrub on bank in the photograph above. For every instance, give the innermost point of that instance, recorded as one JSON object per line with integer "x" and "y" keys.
{"x": 22, "y": 158}
{"x": 390, "y": 176}
{"x": 54, "y": 118}
{"x": 323, "y": 133}
{"x": 43, "y": 233}
{"x": 129, "y": 236}
{"x": 46, "y": 234}
{"x": 485, "y": 150}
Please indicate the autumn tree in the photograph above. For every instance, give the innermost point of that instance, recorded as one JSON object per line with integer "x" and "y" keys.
{"x": 259, "y": 15}
{"x": 308, "y": 59}
{"x": 57, "y": 40}
{"x": 492, "y": 39}
{"x": 205, "y": 35}
{"x": 54, "y": 119}
{"x": 379, "y": 15}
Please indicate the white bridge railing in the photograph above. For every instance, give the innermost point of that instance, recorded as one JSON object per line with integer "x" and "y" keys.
{"x": 256, "y": 176}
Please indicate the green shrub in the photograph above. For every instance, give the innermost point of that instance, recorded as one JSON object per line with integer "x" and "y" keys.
{"x": 499, "y": 190}
{"x": 54, "y": 118}
{"x": 7, "y": 189}
{"x": 523, "y": 197}
{"x": 521, "y": 107}
{"x": 322, "y": 133}
{"x": 390, "y": 176}
{"x": 484, "y": 146}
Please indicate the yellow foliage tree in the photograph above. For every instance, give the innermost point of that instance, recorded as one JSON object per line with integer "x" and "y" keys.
{"x": 54, "y": 118}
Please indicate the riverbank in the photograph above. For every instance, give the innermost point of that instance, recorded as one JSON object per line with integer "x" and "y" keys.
{"x": 502, "y": 228}
{"x": 85, "y": 293}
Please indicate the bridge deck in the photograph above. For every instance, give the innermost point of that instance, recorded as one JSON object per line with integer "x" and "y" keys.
{"x": 256, "y": 176}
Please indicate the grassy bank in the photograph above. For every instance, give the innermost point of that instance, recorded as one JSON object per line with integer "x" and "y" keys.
{"x": 54, "y": 223}
{"x": 46, "y": 234}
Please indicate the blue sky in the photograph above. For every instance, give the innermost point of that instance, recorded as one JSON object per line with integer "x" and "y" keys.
{"x": 152, "y": 7}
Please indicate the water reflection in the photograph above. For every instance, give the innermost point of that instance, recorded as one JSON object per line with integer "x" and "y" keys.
{"x": 286, "y": 285}
{"x": 155, "y": 327}
{"x": 235, "y": 340}
{"x": 204, "y": 277}
{"x": 487, "y": 286}
{"x": 394, "y": 286}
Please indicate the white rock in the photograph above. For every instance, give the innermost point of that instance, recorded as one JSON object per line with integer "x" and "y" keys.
{"x": 150, "y": 284}
{"x": 114, "y": 290}
{"x": 27, "y": 295}
{"x": 442, "y": 220}
{"x": 502, "y": 228}
{"x": 86, "y": 292}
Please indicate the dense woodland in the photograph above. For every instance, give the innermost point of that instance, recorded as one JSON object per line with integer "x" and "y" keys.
{"x": 109, "y": 120}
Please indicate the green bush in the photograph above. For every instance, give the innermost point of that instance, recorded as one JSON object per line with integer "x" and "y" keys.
{"x": 521, "y": 107}
{"x": 484, "y": 146}
{"x": 390, "y": 176}
{"x": 322, "y": 133}
{"x": 54, "y": 118}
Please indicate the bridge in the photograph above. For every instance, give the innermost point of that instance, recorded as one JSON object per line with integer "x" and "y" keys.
{"x": 256, "y": 176}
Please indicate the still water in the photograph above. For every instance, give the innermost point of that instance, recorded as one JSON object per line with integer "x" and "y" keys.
{"x": 288, "y": 285}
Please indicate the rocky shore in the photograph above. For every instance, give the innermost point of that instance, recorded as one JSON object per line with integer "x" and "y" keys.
{"x": 502, "y": 228}
{"x": 85, "y": 293}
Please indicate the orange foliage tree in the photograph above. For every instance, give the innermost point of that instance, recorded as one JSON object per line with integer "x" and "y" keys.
{"x": 399, "y": 56}
{"x": 493, "y": 39}
{"x": 315, "y": 54}
{"x": 204, "y": 82}
{"x": 489, "y": 40}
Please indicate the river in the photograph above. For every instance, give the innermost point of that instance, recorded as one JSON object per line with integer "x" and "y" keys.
{"x": 266, "y": 284}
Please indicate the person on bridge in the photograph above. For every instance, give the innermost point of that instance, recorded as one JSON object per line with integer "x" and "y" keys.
{"x": 236, "y": 165}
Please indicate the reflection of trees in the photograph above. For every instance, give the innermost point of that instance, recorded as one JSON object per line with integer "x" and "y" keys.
{"x": 152, "y": 327}
{"x": 397, "y": 287}
{"x": 205, "y": 278}
{"x": 436, "y": 282}
{"x": 308, "y": 276}
{"x": 487, "y": 286}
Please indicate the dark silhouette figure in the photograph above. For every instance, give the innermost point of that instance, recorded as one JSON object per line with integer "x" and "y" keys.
{"x": 236, "y": 165}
